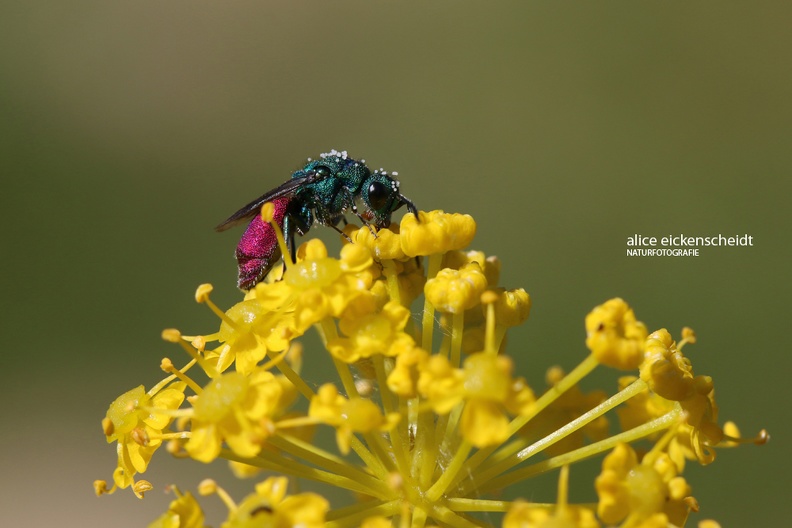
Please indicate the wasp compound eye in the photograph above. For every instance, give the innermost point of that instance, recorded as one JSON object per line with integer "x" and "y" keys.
{"x": 322, "y": 172}
{"x": 378, "y": 195}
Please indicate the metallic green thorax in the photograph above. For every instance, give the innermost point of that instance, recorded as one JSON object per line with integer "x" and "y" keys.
{"x": 344, "y": 185}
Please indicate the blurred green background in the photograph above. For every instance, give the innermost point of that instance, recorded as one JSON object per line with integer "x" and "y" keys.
{"x": 129, "y": 129}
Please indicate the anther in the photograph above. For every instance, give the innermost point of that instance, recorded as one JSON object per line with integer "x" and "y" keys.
{"x": 202, "y": 296}
{"x": 141, "y": 487}
{"x": 140, "y": 436}
{"x": 489, "y": 297}
{"x": 207, "y": 487}
{"x": 167, "y": 365}
{"x": 199, "y": 343}
{"x": 107, "y": 426}
{"x": 100, "y": 488}
{"x": 171, "y": 335}
{"x": 202, "y": 293}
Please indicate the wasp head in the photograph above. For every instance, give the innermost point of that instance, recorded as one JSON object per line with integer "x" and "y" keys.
{"x": 381, "y": 196}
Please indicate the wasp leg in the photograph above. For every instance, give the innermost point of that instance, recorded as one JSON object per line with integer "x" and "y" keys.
{"x": 366, "y": 223}
{"x": 341, "y": 232}
{"x": 288, "y": 237}
{"x": 350, "y": 199}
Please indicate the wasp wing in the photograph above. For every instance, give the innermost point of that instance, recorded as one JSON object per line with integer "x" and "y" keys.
{"x": 252, "y": 209}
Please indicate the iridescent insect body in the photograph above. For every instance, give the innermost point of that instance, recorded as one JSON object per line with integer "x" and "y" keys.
{"x": 319, "y": 193}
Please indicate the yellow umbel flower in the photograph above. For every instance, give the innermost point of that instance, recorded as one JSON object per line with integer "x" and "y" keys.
{"x": 322, "y": 286}
{"x": 270, "y": 506}
{"x": 525, "y": 515}
{"x": 251, "y": 328}
{"x": 490, "y": 392}
{"x": 436, "y": 233}
{"x": 454, "y": 291}
{"x": 650, "y": 490}
{"x": 522, "y": 514}
{"x": 384, "y": 246}
{"x": 348, "y": 416}
{"x": 614, "y": 336}
{"x": 512, "y": 307}
{"x": 490, "y": 265}
{"x": 403, "y": 379}
{"x": 253, "y": 333}
{"x": 430, "y": 421}
{"x": 183, "y": 512}
{"x": 670, "y": 374}
{"x": 665, "y": 369}
{"x": 376, "y": 522}
{"x": 369, "y": 332}
{"x": 234, "y": 409}
{"x": 135, "y": 420}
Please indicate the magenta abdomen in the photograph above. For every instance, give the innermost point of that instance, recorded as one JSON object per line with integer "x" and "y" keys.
{"x": 258, "y": 249}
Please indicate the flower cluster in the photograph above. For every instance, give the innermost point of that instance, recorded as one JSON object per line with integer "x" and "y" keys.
{"x": 428, "y": 416}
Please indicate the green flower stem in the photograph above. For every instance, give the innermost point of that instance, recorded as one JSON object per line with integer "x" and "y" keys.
{"x": 382, "y": 450}
{"x": 442, "y": 431}
{"x": 295, "y": 379}
{"x": 173, "y": 413}
{"x": 441, "y": 485}
{"x": 390, "y": 403}
{"x": 179, "y": 373}
{"x": 569, "y": 381}
{"x": 423, "y": 461}
{"x": 489, "y": 329}
{"x": 435, "y": 262}
{"x": 325, "y": 460}
{"x": 381, "y": 454}
{"x": 452, "y": 429}
{"x": 427, "y": 326}
{"x": 500, "y": 333}
{"x": 376, "y": 463}
{"x": 328, "y": 332}
{"x": 636, "y": 433}
{"x": 209, "y": 369}
{"x": 347, "y": 380}
{"x": 419, "y": 515}
{"x": 449, "y": 517}
{"x": 410, "y": 408}
{"x": 457, "y": 327}
{"x": 372, "y": 463}
{"x": 355, "y": 514}
{"x": 389, "y": 270}
{"x": 400, "y": 452}
{"x": 422, "y": 423}
{"x": 509, "y": 449}
{"x": 282, "y": 464}
{"x": 482, "y": 505}
{"x": 492, "y": 470}
{"x": 164, "y": 383}
{"x": 444, "y": 348}
{"x": 554, "y": 392}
